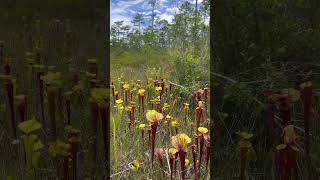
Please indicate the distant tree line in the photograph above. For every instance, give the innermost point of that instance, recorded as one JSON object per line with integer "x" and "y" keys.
{"x": 187, "y": 28}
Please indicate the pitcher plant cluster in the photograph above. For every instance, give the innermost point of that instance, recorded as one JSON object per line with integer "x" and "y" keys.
{"x": 171, "y": 131}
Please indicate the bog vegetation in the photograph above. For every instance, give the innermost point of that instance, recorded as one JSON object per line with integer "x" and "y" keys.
{"x": 160, "y": 95}
{"x": 267, "y": 84}
{"x": 48, "y": 68}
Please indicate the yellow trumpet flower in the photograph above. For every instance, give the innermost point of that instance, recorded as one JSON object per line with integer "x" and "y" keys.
{"x": 126, "y": 86}
{"x": 202, "y": 130}
{"x": 142, "y": 126}
{"x": 172, "y": 151}
{"x": 141, "y": 92}
{"x": 180, "y": 141}
{"x": 306, "y": 84}
{"x": 165, "y": 123}
{"x": 134, "y": 165}
{"x": 119, "y": 101}
{"x": 187, "y": 162}
{"x": 158, "y": 88}
{"x": 153, "y": 116}
{"x": 289, "y": 134}
{"x": 174, "y": 123}
{"x": 186, "y": 107}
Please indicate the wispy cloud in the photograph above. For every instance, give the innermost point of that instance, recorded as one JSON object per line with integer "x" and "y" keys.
{"x": 194, "y": 1}
{"x": 167, "y": 17}
{"x": 125, "y": 10}
{"x": 172, "y": 10}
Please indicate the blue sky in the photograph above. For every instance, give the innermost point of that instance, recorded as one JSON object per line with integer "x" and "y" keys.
{"x": 124, "y": 10}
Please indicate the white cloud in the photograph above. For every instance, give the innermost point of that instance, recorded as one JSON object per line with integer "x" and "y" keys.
{"x": 129, "y": 2}
{"x": 172, "y": 10}
{"x": 162, "y": 2}
{"x": 199, "y": 1}
{"x": 120, "y": 9}
{"x": 157, "y": 11}
{"x": 167, "y": 17}
{"x": 124, "y": 10}
{"x": 126, "y": 20}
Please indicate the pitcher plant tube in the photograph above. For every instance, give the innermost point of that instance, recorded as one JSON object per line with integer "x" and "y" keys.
{"x": 153, "y": 118}
{"x": 180, "y": 142}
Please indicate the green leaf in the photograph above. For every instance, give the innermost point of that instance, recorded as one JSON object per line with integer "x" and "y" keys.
{"x": 9, "y": 178}
{"x": 19, "y": 99}
{"x": 78, "y": 87}
{"x": 223, "y": 115}
{"x": 24, "y": 139}
{"x": 99, "y": 95}
{"x": 67, "y": 128}
{"x": 35, "y": 159}
{"x": 2, "y": 107}
{"x": 252, "y": 156}
{"x": 53, "y": 149}
{"x": 5, "y": 77}
{"x": 29, "y": 126}
{"x": 39, "y": 66}
{"x": 63, "y": 146}
{"x": 92, "y": 61}
{"x": 281, "y": 146}
{"x": 28, "y": 141}
{"x": 37, "y": 146}
{"x": 244, "y": 135}
{"x": 283, "y": 49}
{"x": 90, "y": 75}
{"x": 58, "y": 147}
{"x": 54, "y": 79}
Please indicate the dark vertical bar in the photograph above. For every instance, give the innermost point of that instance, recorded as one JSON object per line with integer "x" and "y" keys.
{"x": 212, "y": 92}
{"x": 107, "y": 64}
